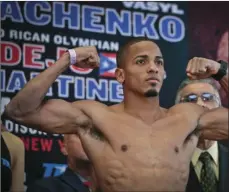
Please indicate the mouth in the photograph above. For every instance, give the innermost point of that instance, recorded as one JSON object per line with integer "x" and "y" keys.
{"x": 152, "y": 80}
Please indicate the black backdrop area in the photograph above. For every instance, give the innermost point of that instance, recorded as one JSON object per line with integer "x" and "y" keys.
{"x": 35, "y": 34}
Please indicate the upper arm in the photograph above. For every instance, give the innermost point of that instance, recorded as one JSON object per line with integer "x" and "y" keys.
{"x": 56, "y": 116}
{"x": 208, "y": 124}
{"x": 189, "y": 115}
{"x": 189, "y": 111}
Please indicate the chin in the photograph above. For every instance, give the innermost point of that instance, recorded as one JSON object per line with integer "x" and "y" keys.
{"x": 151, "y": 93}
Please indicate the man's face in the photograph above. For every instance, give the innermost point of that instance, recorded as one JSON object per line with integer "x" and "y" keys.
{"x": 201, "y": 93}
{"x": 143, "y": 68}
{"x": 73, "y": 148}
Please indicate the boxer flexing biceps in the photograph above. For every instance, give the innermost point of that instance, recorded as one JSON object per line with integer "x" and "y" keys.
{"x": 201, "y": 68}
{"x": 135, "y": 145}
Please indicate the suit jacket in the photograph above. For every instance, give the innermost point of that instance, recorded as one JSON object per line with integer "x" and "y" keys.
{"x": 223, "y": 186}
{"x": 67, "y": 182}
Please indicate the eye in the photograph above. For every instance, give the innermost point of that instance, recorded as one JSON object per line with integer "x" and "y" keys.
{"x": 140, "y": 61}
{"x": 207, "y": 97}
{"x": 159, "y": 62}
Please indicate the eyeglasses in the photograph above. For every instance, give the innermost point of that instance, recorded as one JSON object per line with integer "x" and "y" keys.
{"x": 193, "y": 98}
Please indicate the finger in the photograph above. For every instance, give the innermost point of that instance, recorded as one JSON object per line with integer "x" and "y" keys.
{"x": 192, "y": 65}
{"x": 94, "y": 50}
{"x": 199, "y": 67}
{"x": 97, "y": 60}
{"x": 193, "y": 77}
{"x": 189, "y": 74}
{"x": 189, "y": 66}
{"x": 202, "y": 68}
{"x": 92, "y": 64}
{"x": 82, "y": 64}
{"x": 196, "y": 66}
{"x": 94, "y": 59}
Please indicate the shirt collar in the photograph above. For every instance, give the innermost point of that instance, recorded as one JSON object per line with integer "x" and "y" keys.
{"x": 213, "y": 151}
{"x": 81, "y": 178}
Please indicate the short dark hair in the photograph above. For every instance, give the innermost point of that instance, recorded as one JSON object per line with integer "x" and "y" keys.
{"x": 125, "y": 45}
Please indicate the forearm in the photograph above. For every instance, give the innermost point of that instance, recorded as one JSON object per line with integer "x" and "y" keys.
{"x": 31, "y": 96}
{"x": 224, "y": 83}
{"x": 213, "y": 125}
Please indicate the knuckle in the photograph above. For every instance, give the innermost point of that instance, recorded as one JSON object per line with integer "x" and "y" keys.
{"x": 94, "y": 49}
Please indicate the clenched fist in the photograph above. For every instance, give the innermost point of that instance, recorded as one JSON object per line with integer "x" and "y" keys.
{"x": 86, "y": 57}
{"x": 201, "y": 68}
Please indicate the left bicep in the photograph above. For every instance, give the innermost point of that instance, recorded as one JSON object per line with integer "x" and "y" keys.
{"x": 189, "y": 115}
{"x": 213, "y": 124}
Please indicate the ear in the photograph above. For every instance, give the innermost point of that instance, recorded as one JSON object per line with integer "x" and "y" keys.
{"x": 64, "y": 150}
{"x": 120, "y": 75}
{"x": 165, "y": 75}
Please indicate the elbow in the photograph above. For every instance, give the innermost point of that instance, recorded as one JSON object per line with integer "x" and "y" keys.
{"x": 13, "y": 112}
{"x": 9, "y": 111}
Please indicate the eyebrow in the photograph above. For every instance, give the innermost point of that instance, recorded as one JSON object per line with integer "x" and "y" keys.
{"x": 190, "y": 94}
{"x": 159, "y": 57}
{"x": 145, "y": 56}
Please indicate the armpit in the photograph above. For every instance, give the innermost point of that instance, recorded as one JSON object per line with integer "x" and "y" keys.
{"x": 96, "y": 134}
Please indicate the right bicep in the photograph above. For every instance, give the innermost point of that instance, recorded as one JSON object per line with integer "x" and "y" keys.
{"x": 56, "y": 116}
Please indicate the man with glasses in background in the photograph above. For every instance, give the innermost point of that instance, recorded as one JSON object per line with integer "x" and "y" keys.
{"x": 209, "y": 165}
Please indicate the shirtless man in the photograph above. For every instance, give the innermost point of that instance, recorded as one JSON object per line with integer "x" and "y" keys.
{"x": 135, "y": 145}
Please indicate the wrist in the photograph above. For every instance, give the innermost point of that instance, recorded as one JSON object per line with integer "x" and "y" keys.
{"x": 218, "y": 65}
{"x": 72, "y": 56}
{"x": 65, "y": 58}
{"x": 222, "y": 71}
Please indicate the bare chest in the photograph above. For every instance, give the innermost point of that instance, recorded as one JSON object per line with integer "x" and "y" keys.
{"x": 132, "y": 153}
{"x": 134, "y": 139}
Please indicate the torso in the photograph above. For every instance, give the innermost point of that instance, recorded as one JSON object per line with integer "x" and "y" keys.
{"x": 129, "y": 155}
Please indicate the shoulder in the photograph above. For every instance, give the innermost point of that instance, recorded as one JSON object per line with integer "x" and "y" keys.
{"x": 117, "y": 107}
{"x": 91, "y": 108}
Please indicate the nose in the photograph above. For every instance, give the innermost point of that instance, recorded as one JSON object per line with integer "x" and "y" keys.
{"x": 152, "y": 68}
{"x": 200, "y": 102}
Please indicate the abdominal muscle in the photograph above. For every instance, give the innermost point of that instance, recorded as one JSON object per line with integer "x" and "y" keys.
{"x": 154, "y": 157}
{"x": 143, "y": 173}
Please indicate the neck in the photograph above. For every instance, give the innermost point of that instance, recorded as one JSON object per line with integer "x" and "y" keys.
{"x": 205, "y": 144}
{"x": 81, "y": 167}
{"x": 146, "y": 108}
